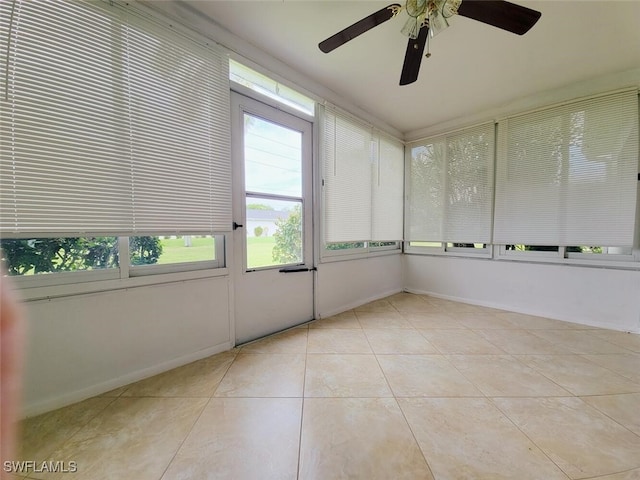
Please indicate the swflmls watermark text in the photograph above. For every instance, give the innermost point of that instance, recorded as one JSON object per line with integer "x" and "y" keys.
{"x": 31, "y": 466}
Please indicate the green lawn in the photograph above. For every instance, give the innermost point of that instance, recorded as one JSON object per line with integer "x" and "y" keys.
{"x": 259, "y": 251}
{"x": 174, "y": 250}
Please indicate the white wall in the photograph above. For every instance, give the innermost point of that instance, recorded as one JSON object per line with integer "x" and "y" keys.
{"x": 345, "y": 285}
{"x": 601, "y": 297}
{"x": 83, "y": 345}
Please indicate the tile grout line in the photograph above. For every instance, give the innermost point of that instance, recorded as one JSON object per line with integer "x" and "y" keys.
{"x": 395, "y": 398}
{"x": 304, "y": 385}
{"x": 607, "y": 415}
{"x": 75, "y": 432}
{"x": 198, "y": 417}
{"x": 584, "y": 357}
{"x": 173, "y": 457}
{"x": 175, "y": 454}
{"x": 491, "y": 400}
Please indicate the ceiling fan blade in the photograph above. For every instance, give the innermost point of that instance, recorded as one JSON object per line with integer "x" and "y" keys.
{"x": 499, "y": 13}
{"x": 413, "y": 57}
{"x": 358, "y": 28}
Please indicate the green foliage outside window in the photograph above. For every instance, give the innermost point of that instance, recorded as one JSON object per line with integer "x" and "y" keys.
{"x": 288, "y": 238}
{"x": 49, "y": 255}
{"x": 144, "y": 250}
{"x": 344, "y": 246}
{"x": 67, "y": 254}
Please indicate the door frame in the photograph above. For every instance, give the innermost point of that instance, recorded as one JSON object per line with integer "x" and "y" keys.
{"x": 243, "y": 100}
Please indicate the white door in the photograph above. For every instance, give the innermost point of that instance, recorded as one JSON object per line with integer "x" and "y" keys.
{"x": 273, "y": 256}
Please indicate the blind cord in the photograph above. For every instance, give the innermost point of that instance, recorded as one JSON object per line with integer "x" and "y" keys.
{"x": 6, "y": 78}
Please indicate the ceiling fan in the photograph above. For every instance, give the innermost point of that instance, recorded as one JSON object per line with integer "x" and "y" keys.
{"x": 427, "y": 16}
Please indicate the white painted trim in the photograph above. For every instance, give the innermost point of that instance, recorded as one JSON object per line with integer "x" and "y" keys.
{"x": 272, "y": 102}
{"x": 586, "y": 88}
{"x": 360, "y": 254}
{"x": 87, "y": 288}
{"x": 69, "y": 398}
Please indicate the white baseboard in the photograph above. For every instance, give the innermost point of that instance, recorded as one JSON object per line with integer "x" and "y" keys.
{"x": 511, "y": 308}
{"x": 358, "y": 303}
{"x": 68, "y": 398}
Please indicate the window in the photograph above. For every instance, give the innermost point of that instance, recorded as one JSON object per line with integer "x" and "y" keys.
{"x": 41, "y": 262}
{"x": 243, "y": 75}
{"x": 450, "y": 248}
{"x": 567, "y": 175}
{"x": 38, "y": 256}
{"x": 338, "y": 249}
{"x": 362, "y": 185}
{"x": 114, "y": 128}
{"x": 450, "y": 186}
{"x": 566, "y": 187}
{"x": 574, "y": 254}
{"x": 170, "y": 253}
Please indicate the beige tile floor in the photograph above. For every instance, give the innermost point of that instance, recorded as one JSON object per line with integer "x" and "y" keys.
{"x": 408, "y": 387}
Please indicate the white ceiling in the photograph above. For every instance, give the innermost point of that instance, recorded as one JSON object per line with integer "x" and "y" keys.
{"x": 473, "y": 68}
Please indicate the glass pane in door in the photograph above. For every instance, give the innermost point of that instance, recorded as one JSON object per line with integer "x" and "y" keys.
{"x": 272, "y": 158}
{"x": 274, "y": 232}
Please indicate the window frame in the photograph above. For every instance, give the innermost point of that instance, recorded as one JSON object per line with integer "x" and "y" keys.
{"x": 563, "y": 214}
{"x": 125, "y": 275}
{"x": 562, "y": 256}
{"x": 367, "y": 251}
{"x": 445, "y": 250}
{"x": 158, "y": 269}
{"x": 266, "y": 87}
{"x": 442, "y": 139}
{"x": 498, "y": 252}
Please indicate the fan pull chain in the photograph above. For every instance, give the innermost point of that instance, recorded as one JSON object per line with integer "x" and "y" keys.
{"x": 428, "y": 54}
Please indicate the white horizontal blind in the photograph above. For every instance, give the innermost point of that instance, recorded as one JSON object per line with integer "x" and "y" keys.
{"x": 179, "y": 118}
{"x": 64, "y": 164}
{"x": 347, "y": 173}
{"x": 451, "y": 187}
{"x": 97, "y": 137}
{"x": 567, "y": 175}
{"x": 426, "y": 181}
{"x": 387, "y": 191}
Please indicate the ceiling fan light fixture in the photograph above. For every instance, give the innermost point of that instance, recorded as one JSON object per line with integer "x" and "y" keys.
{"x": 432, "y": 13}
{"x": 412, "y": 27}
{"x": 439, "y": 14}
{"x": 418, "y": 11}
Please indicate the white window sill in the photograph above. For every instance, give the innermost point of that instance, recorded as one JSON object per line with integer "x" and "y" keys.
{"x": 439, "y": 252}
{"x": 27, "y": 293}
{"x": 345, "y": 256}
{"x": 611, "y": 263}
